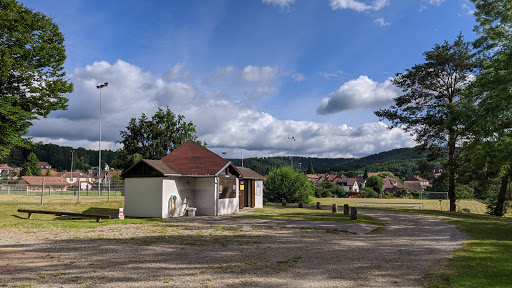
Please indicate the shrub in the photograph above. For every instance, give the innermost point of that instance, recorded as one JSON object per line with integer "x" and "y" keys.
{"x": 376, "y": 183}
{"x": 286, "y": 183}
{"x": 369, "y": 193}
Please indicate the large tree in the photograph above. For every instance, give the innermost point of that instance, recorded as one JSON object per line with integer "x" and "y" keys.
{"x": 153, "y": 138}
{"x": 491, "y": 98}
{"x": 31, "y": 166}
{"x": 429, "y": 107}
{"x": 32, "y": 79}
{"x": 286, "y": 183}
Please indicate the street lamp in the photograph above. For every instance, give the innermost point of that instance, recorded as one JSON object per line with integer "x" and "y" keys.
{"x": 72, "y": 151}
{"x": 291, "y": 147}
{"x": 99, "y": 148}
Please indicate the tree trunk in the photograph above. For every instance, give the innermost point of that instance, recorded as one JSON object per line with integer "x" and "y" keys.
{"x": 503, "y": 192}
{"x": 451, "y": 170}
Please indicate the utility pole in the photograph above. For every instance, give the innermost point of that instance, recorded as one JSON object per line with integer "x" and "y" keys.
{"x": 101, "y": 86}
{"x": 291, "y": 147}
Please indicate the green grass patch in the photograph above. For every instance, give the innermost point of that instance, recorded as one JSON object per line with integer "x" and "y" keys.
{"x": 485, "y": 260}
{"x": 10, "y": 218}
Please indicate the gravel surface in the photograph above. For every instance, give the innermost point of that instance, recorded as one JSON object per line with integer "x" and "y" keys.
{"x": 199, "y": 254}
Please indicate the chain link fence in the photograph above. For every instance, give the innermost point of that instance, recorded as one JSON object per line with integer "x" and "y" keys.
{"x": 114, "y": 188}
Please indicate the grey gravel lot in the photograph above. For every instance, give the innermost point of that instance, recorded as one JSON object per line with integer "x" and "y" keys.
{"x": 228, "y": 254}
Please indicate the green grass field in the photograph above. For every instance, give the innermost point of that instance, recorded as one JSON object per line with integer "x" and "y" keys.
{"x": 474, "y": 207}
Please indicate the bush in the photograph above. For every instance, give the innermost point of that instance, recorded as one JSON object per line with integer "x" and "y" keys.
{"x": 369, "y": 193}
{"x": 376, "y": 184}
{"x": 400, "y": 193}
{"x": 286, "y": 183}
{"x": 324, "y": 189}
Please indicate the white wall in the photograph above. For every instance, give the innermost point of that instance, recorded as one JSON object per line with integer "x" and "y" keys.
{"x": 143, "y": 197}
{"x": 230, "y": 205}
{"x": 258, "y": 190}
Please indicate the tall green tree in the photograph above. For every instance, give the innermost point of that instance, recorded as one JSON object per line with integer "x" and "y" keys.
{"x": 310, "y": 170}
{"x": 32, "y": 79}
{"x": 31, "y": 166}
{"x": 376, "y": 184}
{"x": 490, "y": 119}
{"x": 429, "y": 107}
{"x": 153, "y": 138}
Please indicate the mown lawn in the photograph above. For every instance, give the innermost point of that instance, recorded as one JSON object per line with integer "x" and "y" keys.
{"x": 11, "y": 218}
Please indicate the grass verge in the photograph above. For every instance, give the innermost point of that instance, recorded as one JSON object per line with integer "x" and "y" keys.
{"x": 485, "y": 260}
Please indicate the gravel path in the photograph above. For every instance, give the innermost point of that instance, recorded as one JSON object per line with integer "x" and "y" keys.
{"x": 195, "y": 254}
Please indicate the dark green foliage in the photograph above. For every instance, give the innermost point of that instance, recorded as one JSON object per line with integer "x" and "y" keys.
{"x": 48, "y": 172}
{"x": 60, "y": 156}
{"x": 368, "y": 192}
{"x": 285, "y": 183}
{"x": 310, "y": 170}
{"x": 376, "y": 184}
{"x": 400, "y": 193}
{"x": 31, "y": 166}
{"x": 32, "y": 79}
{"x": 155, "y": 138}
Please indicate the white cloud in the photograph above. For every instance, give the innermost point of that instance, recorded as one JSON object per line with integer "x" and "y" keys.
{"x": 382, "y": 22}
{"x": 436, "y": 3}
{"x": 360, "y": 93}
{"x": 298, "y": 77}
{"x": 280, "y": 3}
{"x": 337, "y": 75}
{"x": 177, "y": 71}
{"x": 218, "y": 73}
{"x": 225, "y": 125}
{"x": 358, "y": 6}
{"x": 258, "y": 74}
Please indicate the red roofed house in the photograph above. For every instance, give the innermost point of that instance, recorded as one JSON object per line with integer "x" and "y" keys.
{"x": 416, "y": 183}
{"x": 190, "y": 176}
{"x": 35, "y": 183}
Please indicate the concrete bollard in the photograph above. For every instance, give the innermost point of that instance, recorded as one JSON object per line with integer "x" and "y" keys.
{"x": 353, "y": 213}
{"x": 300, "y": 204}
{"x": 283, "y": 201}
{"x": 334, "y": 208}
{"x": 346, "y": 209}
{"x": 318, "y": 206}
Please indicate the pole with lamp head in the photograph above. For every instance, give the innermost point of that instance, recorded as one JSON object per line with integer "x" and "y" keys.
{"x": 100, "y": 86}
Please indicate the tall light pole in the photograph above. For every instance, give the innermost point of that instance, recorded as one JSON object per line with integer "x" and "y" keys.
{"x": 101, "y": 86}
{"x": 291, "y": 147}
{"x": 72, "y": 151}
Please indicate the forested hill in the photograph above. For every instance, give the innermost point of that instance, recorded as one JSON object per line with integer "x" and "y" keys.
{"x": 402, "y": 162}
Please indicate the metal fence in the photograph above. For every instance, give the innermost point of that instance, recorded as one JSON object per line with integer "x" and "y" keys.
{"x": 115, "y": 188}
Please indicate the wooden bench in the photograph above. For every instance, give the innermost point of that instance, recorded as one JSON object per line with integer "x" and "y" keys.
{"x": 59, "y": 213}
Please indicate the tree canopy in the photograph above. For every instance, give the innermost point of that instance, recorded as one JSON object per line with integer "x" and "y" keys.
{"x": 285, "y": 183}
{"x": 32, "y": 79}
{"x": 429, "y": 107}
{"x": 153, "y": 138}
{"x": 31, "y": 166}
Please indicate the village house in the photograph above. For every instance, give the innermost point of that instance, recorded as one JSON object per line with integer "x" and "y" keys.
{"x": 392, "y": 185}
{"x": 416, "y": 183}
{"x": 190, "y": 178}
{"x": 77, "y": 177}
{"x": 349, "y": 184}
{"x": 35, "y": 183}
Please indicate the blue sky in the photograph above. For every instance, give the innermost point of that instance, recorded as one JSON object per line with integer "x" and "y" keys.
{"x": 248, "y": 73}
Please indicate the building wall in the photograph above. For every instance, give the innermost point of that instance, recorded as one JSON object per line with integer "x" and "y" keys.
{"x": 143, "y": 197}
{"x": 258, "y": 184}
{"x": 204, "y": 196}
{"x": 229, "y": 205}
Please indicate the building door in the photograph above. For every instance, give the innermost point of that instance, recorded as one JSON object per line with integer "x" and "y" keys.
{"x": 241, "y": 202}
{"x": 248, "y": 194}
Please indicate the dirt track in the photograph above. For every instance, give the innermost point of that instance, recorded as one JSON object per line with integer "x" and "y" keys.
{"x": 196, "y": 254}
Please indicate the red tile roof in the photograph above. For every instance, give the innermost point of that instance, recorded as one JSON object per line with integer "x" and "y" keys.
{"x": 194, "y": 159}
{"x": 48, "y": 181}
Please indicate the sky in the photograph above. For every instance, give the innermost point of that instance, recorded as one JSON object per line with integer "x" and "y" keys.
{"x": 249, "y": 74}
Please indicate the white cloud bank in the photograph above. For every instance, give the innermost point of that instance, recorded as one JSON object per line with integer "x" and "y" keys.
{"x": 360, "y": 93}
{"x": 226, "y": 125}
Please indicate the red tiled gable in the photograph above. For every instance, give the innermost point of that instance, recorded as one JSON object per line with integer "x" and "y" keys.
{"x": 415, "y": 178}
{"x": 44, "y": 164}
{"x": 48, "y": 181}
{"x": 193, "y": 159}
{"x": 5, "y": 166}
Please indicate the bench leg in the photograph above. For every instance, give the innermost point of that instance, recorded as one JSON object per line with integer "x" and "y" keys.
{"x": 29, "y": 215}
{"x": 98, "y": 219}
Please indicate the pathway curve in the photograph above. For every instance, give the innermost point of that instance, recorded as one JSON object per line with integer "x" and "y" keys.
{"x": 198, "y": 254}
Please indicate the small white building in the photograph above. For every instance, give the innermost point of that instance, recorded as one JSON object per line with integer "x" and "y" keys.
{"x": 251, "y": 188}
{"x": 189, "y": 177}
